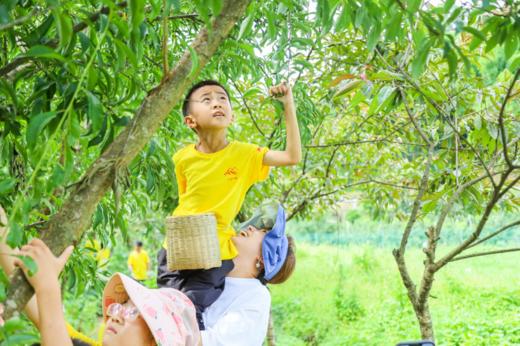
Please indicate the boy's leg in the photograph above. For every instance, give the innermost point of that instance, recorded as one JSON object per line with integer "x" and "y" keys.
{"x": 204, "y": 286}
{"x": 166, "y": 278}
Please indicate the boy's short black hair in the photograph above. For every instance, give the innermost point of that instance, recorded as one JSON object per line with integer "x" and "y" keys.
{"x": 186, "y": 102}
{"x": 139, "y": 243}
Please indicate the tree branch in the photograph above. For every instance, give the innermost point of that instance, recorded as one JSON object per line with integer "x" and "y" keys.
{"x": 463, "y": 246}
{"x": 249, "y": 111}
{"x": 484, "y": 254}
{"x": 53, "y": 43}
{"x": 494, "y": 234}
{"x": 413, "y": 120}
{"x": 166, "y": 66}
{"x": 501, "y": 117}
{"x": 34, "y": 12}
{"x": 416, "y": 206}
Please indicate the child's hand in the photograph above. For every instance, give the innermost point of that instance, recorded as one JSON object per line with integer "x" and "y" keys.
{"x": 1, "y": 314}
{"x": 49, "y": 266}
{"x": 282, "y": 92}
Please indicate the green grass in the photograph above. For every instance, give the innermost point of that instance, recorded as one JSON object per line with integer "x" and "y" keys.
{"x": 354, "y": 296}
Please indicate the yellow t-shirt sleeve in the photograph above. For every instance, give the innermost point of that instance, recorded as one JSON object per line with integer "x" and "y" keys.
{"x": 179, "y": 174}
{"x": 259, "y": 170}
{"x": 74, "y": 334}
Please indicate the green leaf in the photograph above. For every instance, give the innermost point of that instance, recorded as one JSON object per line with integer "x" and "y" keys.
{"x": 344, "y": 19}
{"x": 393, "y": 29}
{"x": 56, "y": 179}
{"x": 40, "y": 51}
{"x": 127, "y": 51}
{"x": 14, "y": 324}
{"x": 94, "y": 111}
{"x": 373, "y": 36}
{"x": 251, "y": 92}
{"x": 64, "y": 26}
{"x": 2, "y": 292}
{"x": 413, "y": 6}
{"x": 216, "y": 6}
{"x": 194, "y": 61}
{"x": 36, "y": 125}
{"x": 385, "y": 75}
{"x": 136, "y": 13}
{"x": 510, "y": 45}
{"x": 246, "y": 26}
{"x": 29, "y": 263}
{"x": 6, "y": 186}
{"x": 15, "y": 235}
{"x": 348, "y": 87}
{"x": 448, "y": 5}
{"x": 419, "y": 62}
{"x": 451, "y": 56}
{"x": 514, "y": 64}
{"x": 474, "y": 32}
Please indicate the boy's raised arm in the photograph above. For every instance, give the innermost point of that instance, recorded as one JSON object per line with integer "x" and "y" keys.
{"x": 293, "y": 150}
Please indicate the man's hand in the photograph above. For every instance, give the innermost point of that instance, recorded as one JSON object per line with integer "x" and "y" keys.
{"x": 49, "y": 266}
{"x": 282, "y": 92}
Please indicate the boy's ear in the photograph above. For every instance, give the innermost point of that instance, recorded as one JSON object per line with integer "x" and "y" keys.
{"x": 190, "y": 121}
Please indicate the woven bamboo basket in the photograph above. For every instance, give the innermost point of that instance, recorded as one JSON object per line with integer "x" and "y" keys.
{"x": 192, "y": 242}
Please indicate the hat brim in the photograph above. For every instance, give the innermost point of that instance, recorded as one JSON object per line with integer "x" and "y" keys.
{"x": 168, "y": 313}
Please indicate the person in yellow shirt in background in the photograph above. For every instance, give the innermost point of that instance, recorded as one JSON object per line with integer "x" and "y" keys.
{"x": 214, "y": 175}
{"x": 139, "y": 262}
{"x": 99, "y": 252}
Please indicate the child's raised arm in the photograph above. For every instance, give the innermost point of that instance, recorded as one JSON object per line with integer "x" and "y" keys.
{"x": 45, "y": 282}
{"x": 293, "y": 150}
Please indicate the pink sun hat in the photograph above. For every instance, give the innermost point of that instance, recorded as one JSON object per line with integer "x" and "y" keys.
{"x": 169, "y": 314}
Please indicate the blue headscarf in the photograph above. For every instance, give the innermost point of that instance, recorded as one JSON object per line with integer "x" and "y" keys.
{"x": 275, "y": 246}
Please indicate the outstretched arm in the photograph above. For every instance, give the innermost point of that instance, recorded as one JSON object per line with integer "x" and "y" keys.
{"x": 45, "y": 282}
{"x": 293, "y": 150}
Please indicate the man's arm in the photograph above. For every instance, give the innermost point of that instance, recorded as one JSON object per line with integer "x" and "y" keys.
{"x": 293, "y": 150}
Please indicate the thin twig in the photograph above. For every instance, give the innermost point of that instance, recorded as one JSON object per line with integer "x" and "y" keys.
{"x": 484, "y": 254}
{"x": 165, "y": 67}
{"x": 34, "y": 12}
{"x": 501, "y": 117}
{"x": 505, "y": 228}
{"x": 249, "y": 111}
{"x": 412, "y": 118}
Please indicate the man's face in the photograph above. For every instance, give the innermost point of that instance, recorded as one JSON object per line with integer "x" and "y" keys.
{"x": 209, "y": 108}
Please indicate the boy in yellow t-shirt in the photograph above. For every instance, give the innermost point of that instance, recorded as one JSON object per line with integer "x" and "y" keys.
{"x": 214, "y": 175}
{"x": 139, "y": 262}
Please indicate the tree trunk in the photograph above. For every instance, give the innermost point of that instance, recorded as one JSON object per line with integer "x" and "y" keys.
{"x": 425, "y": 322}
{"x": 270, "y": 330}
{"x": 67, "y": 226}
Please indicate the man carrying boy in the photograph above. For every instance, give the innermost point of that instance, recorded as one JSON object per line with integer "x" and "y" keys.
{"x": 214, "y": 175}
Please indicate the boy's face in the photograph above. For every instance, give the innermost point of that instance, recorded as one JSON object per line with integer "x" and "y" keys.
{"x": 209, "y": 109}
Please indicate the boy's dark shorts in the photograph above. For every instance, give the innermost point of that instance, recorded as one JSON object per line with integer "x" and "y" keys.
{"x": 202, "y": 286}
